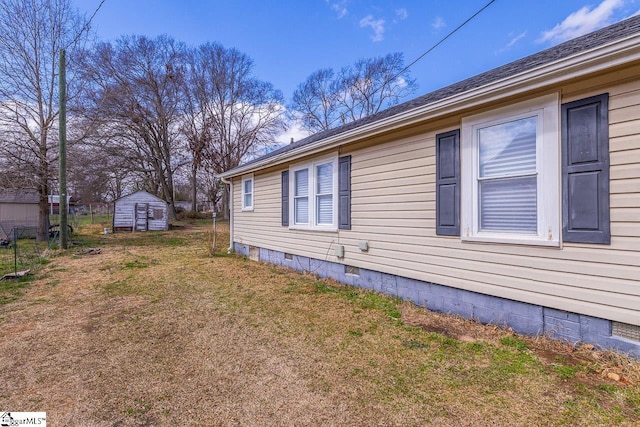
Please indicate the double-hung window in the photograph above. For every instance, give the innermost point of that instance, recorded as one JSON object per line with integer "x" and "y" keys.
{"x": 510, "y": 180}
{"x": 247, "y": 193}
{"x": 313, "y": 190}
{"x": 301, "y": 196}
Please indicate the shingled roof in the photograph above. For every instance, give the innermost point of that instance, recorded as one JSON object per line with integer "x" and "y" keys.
{"x": 567, "y": 49}
{"x": 20, "y": 195}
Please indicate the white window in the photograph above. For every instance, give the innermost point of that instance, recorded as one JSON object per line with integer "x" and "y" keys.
{"x": 314, "y": 190}
{"x": 510, "y": 174}
{"x": 324, "y": 193}
{"x": 301, "y": 196}
{"x": 247, "y": 193}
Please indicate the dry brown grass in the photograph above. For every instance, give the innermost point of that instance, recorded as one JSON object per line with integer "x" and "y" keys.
{"x": 155, "y": 331}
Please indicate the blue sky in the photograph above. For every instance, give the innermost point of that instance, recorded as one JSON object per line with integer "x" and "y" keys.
{"x": 290, "y": 39}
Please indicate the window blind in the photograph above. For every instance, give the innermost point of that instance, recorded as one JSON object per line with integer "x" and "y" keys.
{"x": 507, "y": 182}
{"x": 324, "y": 194}
{"x": 301, "y": 197}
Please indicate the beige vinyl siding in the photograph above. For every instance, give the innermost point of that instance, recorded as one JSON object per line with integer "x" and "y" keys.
{"x": 262, "y": 226}
{"x": 17, "y": 215}
{"x": 624, "y": 147}
{"x": 393, "y": 209}
{"x": 24, "y": 214}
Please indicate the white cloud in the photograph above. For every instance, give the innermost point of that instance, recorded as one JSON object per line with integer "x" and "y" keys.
{"x": 512, "y": 42}
{"x": 583, "y": 21}
{"x": 516, "y": 39}
{"x": 377, "y": 25}
{"x": 339, "y": 7}
{"x": 438, "y": 23}
{"x": 401, "y": 82}
{"x": 402, "y": 14}
{"x": 294, "y": 131}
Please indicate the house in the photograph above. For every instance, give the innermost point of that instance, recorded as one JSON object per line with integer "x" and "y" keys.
{"x": 19, "y": 208}
{"x": 140, "y": 211}
{"x": 512, "y": 197}
{"x": 54, "y": 204}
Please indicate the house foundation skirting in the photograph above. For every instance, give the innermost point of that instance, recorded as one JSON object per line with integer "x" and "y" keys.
{"x": 522, "y": 317}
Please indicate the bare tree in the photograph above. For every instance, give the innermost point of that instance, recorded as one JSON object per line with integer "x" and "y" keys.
{"x": 32, "y": 32}
{"x": 317, "y": 101}
{"x": 134, "y": 95}
{"x": 196, "y": 125}
{"x": 94, "y": 175}
{"x": 326, "y": 100}
{"x": 230, "y": 115}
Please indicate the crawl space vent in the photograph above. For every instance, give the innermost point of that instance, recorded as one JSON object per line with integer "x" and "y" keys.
{"x": 352, "y": 270}
{"x": 624, "y": 330}
{"x": 254, "y": 253}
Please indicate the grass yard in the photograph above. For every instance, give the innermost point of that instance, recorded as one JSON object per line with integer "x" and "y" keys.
{"x": 153, "y": 330}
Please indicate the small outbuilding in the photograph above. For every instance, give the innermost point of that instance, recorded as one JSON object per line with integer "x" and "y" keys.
{"x": 54, "y": 204}
{"x": 18, "y": 208}
{"x": 140, "y": 211}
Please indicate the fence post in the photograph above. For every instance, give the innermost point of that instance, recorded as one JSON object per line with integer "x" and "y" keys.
{"x": 15, "y": 251}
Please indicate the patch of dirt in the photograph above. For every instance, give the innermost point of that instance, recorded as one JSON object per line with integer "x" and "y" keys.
{"x": 452, "y": 326}
{"x": 602, "y": 367}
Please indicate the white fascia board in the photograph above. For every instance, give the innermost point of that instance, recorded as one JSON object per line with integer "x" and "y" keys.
{"x": 614, "y": 54}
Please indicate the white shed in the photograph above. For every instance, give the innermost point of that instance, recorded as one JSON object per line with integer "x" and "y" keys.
{"x": 140, "y": 211}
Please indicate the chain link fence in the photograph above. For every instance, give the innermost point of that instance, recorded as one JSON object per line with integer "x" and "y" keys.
{"x": 20, "y": 251}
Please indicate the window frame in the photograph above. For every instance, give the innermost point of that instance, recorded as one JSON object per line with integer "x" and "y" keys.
{"x": 248, "y": 178}
{"x": 312, "y": 194}
{"x": 547, "y": 110}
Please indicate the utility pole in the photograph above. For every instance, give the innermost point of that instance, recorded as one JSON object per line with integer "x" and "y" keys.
{"x": 62, "y": 132}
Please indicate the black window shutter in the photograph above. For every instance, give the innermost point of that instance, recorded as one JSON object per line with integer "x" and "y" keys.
{"x": 344, "y": 193}
{"x": 285, "y": 198}
{"x": 585, "y": 170}
{"x": 448, "y": 183}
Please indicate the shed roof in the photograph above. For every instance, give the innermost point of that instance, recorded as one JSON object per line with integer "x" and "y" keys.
{"x": 619, "y": 31}
{"x": 142, "y": 193}
{"x": 55, "y": 199}
{"x": 19, "y": 195}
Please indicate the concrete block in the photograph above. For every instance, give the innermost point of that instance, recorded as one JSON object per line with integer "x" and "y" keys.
{"x": 533, "y": 325}
{"x": 443, "y": 303}
{"x": 593, "y": 327}
{"x": 561, "y": 315}
{"x": 335, "y": 271}
{"x": 366, "y": 279}
{"x": 317, "y": 267}
{"x": 408, "y": 290}
{"x": 622, "y": 345}
{"x": 562, "y": 329}
{"x": 371, "y": 279}
{"x": 562, "y": 325}
{"x": 301, "y": 263}
{"x": 521, "y": 317}
{"x": 389, "y": 284}
{"x": 241, "y": 248}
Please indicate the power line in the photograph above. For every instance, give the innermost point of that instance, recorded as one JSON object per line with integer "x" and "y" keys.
{"x": 442, "y": 40}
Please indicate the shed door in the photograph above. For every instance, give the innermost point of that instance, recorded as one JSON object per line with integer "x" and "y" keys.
{"x": 142, "y": 223}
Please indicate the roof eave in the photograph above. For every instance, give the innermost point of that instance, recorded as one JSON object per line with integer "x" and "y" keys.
{"x": 607, "y": 56}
